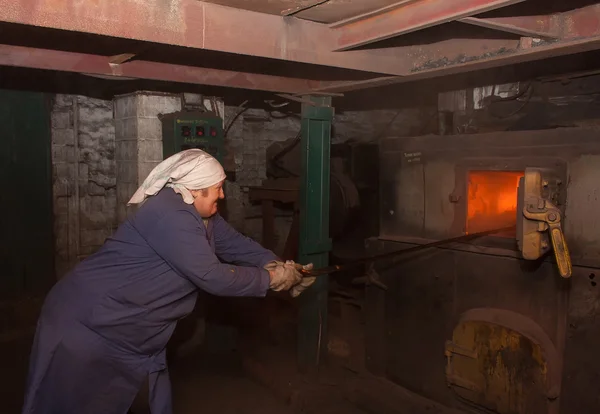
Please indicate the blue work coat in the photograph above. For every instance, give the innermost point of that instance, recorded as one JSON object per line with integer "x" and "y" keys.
{"x": 104, "y": 327}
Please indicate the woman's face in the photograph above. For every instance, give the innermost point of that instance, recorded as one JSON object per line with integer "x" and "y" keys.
{"x": 205, "y": 200}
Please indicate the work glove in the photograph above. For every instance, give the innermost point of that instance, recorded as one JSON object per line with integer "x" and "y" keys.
{"x": 283, "y": 276}
{"x": 286, "y": 275}
{"x": 304, "y": 283}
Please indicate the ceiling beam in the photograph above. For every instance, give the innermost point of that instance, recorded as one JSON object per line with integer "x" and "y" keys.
{"x": 411, "y": 17}
{"x": 101, "y": 66}
{"x": 578, "y": 31}
{"x": 530, "y": 26}
{"x": 371, "y": 13}
{"x": 199, "y": 25}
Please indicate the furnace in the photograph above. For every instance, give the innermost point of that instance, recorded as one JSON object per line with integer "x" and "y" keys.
{"x": 492, "y": 201}
{"x": 484, "y": 323}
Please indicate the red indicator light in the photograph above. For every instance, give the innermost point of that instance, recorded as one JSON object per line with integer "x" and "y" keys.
{"x": 199, "y": 131}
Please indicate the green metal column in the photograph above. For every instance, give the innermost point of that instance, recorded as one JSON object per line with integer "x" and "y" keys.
{"x": 26, "y": 230}
{"x": 315, "y": 243}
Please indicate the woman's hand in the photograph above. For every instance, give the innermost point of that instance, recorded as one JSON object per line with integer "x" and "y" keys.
{"x": 286, "y": 276}
{"x": 304, "y": 283}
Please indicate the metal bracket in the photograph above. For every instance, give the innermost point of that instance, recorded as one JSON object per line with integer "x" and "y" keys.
{"x": 371, "y": 277}
{"x": 549, "y": 216}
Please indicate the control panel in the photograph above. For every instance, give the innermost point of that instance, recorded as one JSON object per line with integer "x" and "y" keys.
{"x": 185, "y": 130}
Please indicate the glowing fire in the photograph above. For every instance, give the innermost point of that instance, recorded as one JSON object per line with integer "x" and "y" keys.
{"x": 492, "y": 199}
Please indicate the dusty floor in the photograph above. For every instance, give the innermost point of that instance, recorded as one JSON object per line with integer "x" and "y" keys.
{"x": 201, "y": 383}
{"x": 212, "y": 383}
{"x": 14, "y": 357}
{"x": 215, "y": 377}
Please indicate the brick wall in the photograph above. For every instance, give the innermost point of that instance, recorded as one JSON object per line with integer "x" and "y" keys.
{"x": 84, "y": 179}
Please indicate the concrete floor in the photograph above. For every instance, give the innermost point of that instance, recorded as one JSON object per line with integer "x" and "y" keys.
{"x": 202, "y": 382}
{"x": 217, "y": 383}
{"x": 14, "y": 359}
{"x": 223, "y": 382}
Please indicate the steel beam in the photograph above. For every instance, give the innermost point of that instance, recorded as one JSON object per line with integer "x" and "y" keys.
{"x": 508, "y": 58}
{"x": 578, "y": 31}
{"x": 372, "y": 13}
{"x": 102, "y": 65}
{"x": 531, "y": 26}
{"x": 199, "y": 25}
{"x": 411, "y": 17}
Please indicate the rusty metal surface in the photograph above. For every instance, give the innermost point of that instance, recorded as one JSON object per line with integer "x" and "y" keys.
{"x": 532, "y": 26}
{"x": 462, "y": 64}
{"x": 371, "y": 13}
{"x": 227, "y": 32}
{"x": 504, "y": 361}
{"x": 330, "y": 11}
{"x": 411, "y": 17}
{"x": 439, "y": 288}
{"x": 540, "y": 217}
{"x": 200, "y": 25}
{"x": 578, "y": 31}
{"x": 101, "y": 65}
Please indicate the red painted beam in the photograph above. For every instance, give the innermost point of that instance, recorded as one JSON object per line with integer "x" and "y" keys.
{"x": 578, "y": 31}
{"x": 411, "y": 17}
{"x": 531, "y": 26}
{"x": 199, "y": 25}
{"x": 100, "y": 65}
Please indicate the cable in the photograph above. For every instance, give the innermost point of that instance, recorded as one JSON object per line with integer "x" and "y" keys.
{"x": 241, "y": 109}
{"x": 273, "y": 105}
{"x": 276, "y": 157}
{"x": 529, "y": 89}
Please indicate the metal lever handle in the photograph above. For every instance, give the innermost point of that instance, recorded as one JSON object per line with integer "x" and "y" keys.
{"x": 551, "y": 216}
{"x": 561, "y": 251}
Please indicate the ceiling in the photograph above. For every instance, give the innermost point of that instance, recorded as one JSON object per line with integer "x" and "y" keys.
{"x": 316, "y": 10}
{"x": 288, "y": 47}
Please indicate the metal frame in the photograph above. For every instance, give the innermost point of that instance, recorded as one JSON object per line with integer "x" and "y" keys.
{"x": 411, "y": 17}
{"x": 101, "y": 65}
{"x": 205, "y": 26}
{"x": 199, "y": 25}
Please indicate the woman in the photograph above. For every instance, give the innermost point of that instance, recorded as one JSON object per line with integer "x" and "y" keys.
{"x": 104, "y": 327}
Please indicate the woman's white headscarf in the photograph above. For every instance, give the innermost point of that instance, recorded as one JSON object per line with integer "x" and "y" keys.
{"x": 191, "y": 169}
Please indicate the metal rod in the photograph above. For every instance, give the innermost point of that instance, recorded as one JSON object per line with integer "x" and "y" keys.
{"x": 338, "y": 268}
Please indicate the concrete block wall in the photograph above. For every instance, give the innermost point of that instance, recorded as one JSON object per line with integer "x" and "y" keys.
{"x": 138, "y": 140}
{"x": 84, "y": 177}
{"x": 248, "y": 138}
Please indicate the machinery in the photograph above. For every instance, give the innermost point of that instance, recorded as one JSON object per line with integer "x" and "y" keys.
{"x": 503, "y": 323}
{"x": 353, "y": 182}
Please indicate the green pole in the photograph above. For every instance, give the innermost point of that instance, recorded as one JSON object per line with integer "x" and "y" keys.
{"x": 315, "y": 244}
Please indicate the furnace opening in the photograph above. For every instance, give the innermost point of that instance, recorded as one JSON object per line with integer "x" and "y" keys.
{"x": 492, "y": 201}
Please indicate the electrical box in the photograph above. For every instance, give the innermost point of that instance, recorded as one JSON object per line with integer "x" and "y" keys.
{"x": 186, "y": 130}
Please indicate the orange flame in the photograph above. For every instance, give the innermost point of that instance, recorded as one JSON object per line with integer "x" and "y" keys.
{"x": 492, "y": 199}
